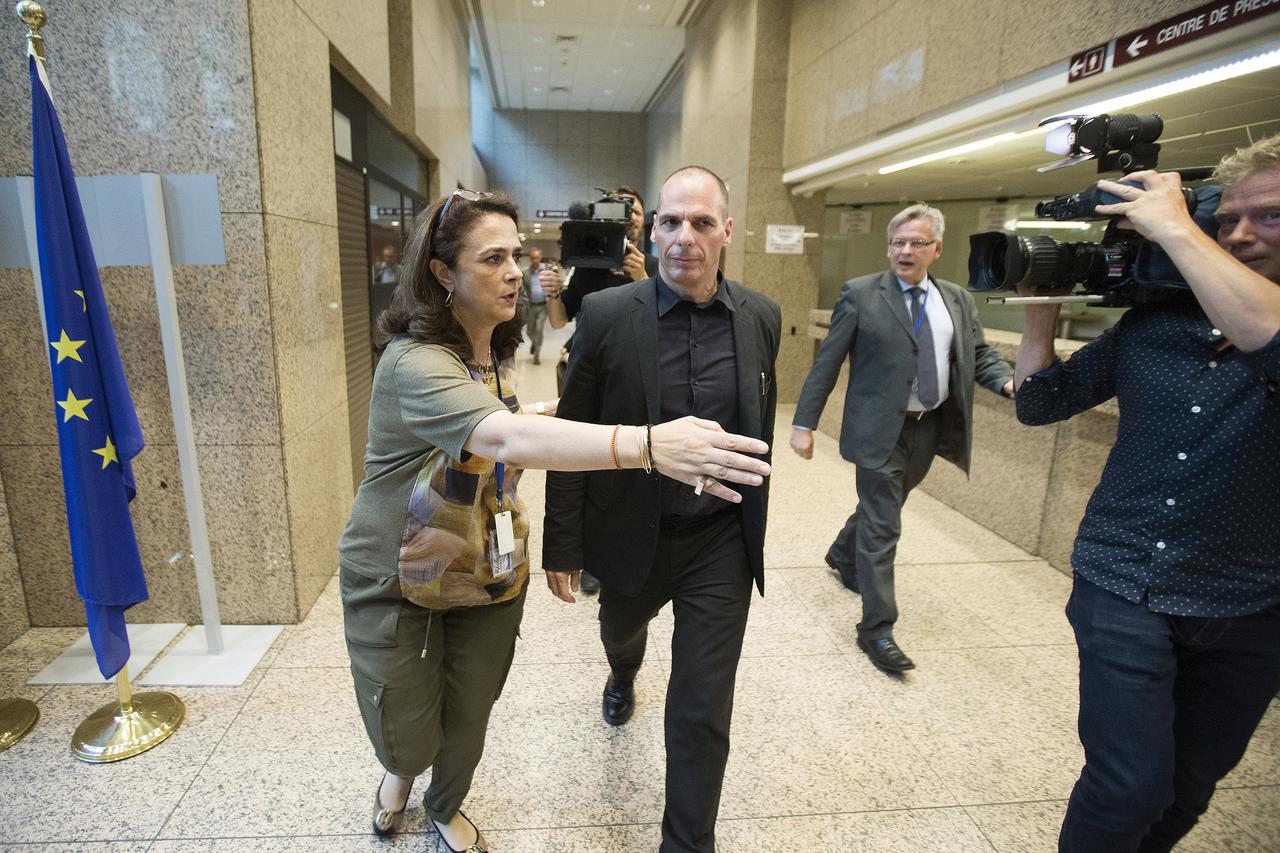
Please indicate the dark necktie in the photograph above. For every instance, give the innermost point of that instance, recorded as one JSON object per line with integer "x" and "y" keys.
{"x": 926, "y": 359}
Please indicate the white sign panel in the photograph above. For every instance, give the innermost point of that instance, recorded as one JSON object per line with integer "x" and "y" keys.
{"x": 996, "y": 217}
{"x": 784, "y": 240}
{"x": 855, "y": 222}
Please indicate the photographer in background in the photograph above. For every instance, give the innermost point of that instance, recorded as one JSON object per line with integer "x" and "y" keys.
{"x": 563, "y": 302}
{"x": 1176, "y": 598}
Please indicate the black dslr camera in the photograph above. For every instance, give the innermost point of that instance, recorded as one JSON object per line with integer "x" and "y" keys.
{"x": 595, "y": 234}
{"x": 1121, "y": 270}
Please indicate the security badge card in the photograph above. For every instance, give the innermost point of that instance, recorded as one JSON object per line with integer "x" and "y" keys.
{"x": 502, "y": 544}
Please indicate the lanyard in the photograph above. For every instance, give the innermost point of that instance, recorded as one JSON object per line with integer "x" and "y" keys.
{"x": 498, "y": 468}
{"x": 924, "y": 300}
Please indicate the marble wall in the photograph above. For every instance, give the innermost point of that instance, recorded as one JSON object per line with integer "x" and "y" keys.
{"x": 240, "y": 90}
{"x": 549, "y": 159}
{"x": 858, "y": 68}
{"x": 735, "y": 92}
{"x": 664, "y": 138}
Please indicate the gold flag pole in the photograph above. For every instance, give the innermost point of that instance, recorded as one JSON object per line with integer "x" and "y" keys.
{"x": 32, "y": 14}
{"x": 120, "y": 730}
{"x": 19, "y": 716}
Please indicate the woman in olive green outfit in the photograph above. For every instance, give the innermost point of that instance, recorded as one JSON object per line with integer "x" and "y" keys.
{"x": 434, "y": 561}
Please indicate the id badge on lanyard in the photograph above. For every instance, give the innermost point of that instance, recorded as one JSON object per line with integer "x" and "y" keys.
{"x": 502, "y": 540}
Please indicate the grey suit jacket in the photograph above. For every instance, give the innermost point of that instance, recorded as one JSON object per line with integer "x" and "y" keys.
{"x": 607, "y": 521}
{"x": 871, "y": 327}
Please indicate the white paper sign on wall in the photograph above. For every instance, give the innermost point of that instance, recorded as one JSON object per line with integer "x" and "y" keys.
{"x": 855, "y": 222}
{"x": 784, "y": 240}
{"x": 996, "y": 217}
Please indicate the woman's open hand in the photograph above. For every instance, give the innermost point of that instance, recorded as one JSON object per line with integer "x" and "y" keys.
{"x": 699, "y": 452}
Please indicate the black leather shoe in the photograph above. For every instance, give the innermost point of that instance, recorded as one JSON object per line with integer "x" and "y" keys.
{"x": 619, "y": 701}
{"x": 885, "y": 654}
{"x": 848, "y": 575}
{"x": 588, "y": 584}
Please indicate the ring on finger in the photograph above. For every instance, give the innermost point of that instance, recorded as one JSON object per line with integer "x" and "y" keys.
{"x": 703, "y": 483}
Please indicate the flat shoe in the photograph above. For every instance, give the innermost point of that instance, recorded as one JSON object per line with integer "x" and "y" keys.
{"x": 480, "y": 845}
{"x": 385, "y": 821}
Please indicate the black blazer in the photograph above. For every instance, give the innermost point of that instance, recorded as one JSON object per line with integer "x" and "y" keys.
{"x": 871, "y": 329}
{"x": 607, "y": 521}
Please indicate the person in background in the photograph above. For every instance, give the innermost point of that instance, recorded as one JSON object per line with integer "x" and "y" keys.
{"x": 536, "y": 312}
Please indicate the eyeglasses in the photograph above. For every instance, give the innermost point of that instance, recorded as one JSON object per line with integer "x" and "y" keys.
{"x": 900, "y": 244}
{"x": 465, "y": 195}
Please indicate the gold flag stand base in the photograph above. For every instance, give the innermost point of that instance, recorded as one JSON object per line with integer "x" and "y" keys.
{"x": 17, "y": 717}
{"x": 123, "y": 729}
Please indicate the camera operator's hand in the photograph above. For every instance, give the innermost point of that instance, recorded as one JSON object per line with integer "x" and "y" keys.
{"x": 551, "y": 281}
{"x": 1157, "y": 211}
{"x": 633, "y": 263}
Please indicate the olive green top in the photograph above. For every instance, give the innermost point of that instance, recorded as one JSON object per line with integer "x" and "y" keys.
{"x": 425, "y": 508}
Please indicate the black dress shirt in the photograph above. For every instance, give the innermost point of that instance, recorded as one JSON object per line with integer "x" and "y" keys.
{"x": 698, "y": 375}
{"x": 1187, "y": 513}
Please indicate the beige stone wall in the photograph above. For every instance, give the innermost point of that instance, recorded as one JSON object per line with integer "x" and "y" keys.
{"x": 551, "y": 158}
{"x": 735, "y": 94}
{"x": 442, "y": 95}
{"x": 240, "y": 90}
{"x": 858, "y": 68}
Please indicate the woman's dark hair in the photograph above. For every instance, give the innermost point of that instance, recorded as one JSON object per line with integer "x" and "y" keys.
{"x": 418, "y": 304}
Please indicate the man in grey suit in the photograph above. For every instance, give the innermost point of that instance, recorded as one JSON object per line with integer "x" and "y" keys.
{"x": 915, "y": 346}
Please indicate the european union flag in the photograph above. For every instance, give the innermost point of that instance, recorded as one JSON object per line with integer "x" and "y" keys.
{"x": 98, "y": 432}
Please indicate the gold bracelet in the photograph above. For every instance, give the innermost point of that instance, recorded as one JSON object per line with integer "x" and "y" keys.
{"x": 613, "y": 447}
{"x": 645, "y": 462}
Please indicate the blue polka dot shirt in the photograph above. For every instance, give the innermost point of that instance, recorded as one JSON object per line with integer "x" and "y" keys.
{"x": 1187, "y": 514}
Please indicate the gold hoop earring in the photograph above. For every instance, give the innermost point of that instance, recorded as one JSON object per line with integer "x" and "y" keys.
{"x": 448, "y": 299}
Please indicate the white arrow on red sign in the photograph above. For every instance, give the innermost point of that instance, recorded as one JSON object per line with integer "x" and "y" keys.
{"x": 1135, "y": 46}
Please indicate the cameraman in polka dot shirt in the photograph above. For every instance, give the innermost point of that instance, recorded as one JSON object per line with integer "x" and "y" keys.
{"x": 1176, "y": 600}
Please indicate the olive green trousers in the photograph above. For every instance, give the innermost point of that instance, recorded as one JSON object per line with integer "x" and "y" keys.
{"x": 426, "y": 681}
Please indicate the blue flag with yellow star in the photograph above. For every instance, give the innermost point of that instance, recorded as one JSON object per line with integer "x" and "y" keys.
{"x": 98, "y": 431}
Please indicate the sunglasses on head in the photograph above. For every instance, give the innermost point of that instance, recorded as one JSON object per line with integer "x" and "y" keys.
{"x": 465, "y": 195}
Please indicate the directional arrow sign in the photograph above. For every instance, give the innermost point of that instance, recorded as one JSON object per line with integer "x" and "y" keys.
{"x": 1191, "y": 25}
{"x": 1136, "y": 46}
{"x": 1087, "y": 63}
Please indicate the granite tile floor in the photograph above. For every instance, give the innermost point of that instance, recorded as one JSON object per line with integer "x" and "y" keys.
{"x": 973, "y": 751}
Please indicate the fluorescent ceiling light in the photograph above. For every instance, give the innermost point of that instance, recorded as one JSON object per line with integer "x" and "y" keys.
{"x": 951, "y": 152}
{"x": 1221, "y": 73}
{"x": 1229, "y": 71}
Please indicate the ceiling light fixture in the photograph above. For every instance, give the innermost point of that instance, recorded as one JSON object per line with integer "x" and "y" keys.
{"x": 950, "y": 152}
{"x": 644, "y": 7}
{"x": 538, "y": 4}
{"x": 1221, "y": 73}
{"x": 537, "y": 39}
{"x": 1230, "y": 71}
{"x": 537, "y": 68}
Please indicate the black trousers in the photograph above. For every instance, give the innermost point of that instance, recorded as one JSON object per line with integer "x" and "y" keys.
{"x": 1167, "y": 707}
{"x": 869, "y": 540}
{"x": 703, "y": 571}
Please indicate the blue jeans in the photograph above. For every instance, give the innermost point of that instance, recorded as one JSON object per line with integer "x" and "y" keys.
{"x": 1167, "y": 707}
